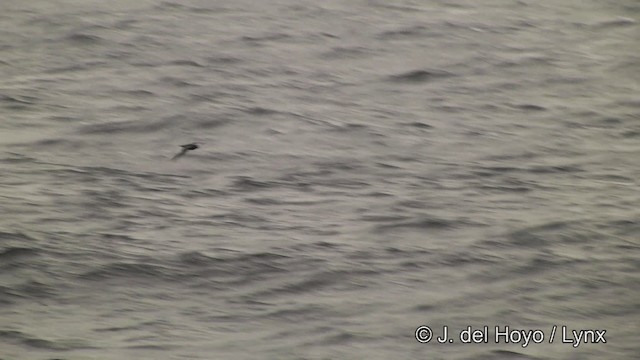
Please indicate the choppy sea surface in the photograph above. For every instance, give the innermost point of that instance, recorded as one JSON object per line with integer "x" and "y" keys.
{"x": 365, "y": 168}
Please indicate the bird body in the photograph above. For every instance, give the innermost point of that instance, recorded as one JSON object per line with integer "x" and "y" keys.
{"x": 185, "y": 148}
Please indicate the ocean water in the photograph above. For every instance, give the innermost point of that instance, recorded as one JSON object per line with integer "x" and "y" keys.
{"x": 365, "y": 168}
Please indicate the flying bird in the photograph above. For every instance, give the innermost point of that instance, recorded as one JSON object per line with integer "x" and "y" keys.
{"x": 185, "y": 148}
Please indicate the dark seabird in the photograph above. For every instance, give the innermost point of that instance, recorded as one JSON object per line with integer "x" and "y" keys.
{"x": 185, "y": 148}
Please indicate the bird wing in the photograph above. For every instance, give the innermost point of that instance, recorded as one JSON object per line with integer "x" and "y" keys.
{"x": 184, "y": 151}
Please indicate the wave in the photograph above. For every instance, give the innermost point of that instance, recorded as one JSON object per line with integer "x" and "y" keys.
{"x": 503, "y": 355}
{"x": 187, "y": 63}
{"x": 407, "y": 32}
{"x": 418, "y": 224}
{"x": 418, "y": 125}
{"x": 127, "y": 126}
{"x": 129, "y": 271}
{"x": 17, "y": 236}
{"x": 17, "y": 252}
{"x": 193, "y": 266}
{"x": 247, "y": 183}
{"x": 342, "y": 52}
{"x": 39, "y": 343}
{"x": 84, "y": 39}
{"x": 264, "y": 38}
{"x": 419, "y": 76}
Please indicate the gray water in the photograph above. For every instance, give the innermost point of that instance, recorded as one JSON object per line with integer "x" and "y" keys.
{"x": 365, "y": 168}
